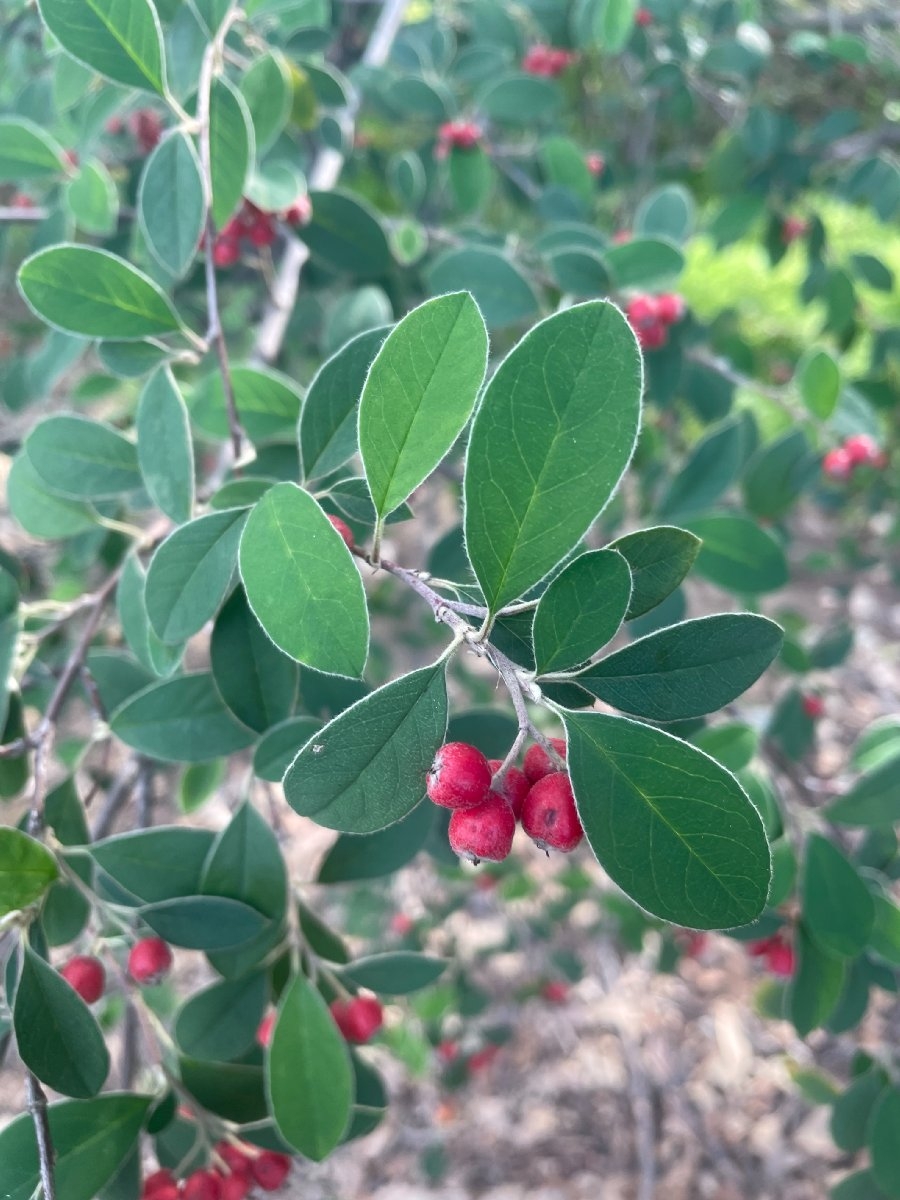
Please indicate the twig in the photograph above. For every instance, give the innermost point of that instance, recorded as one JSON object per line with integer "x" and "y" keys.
{"x": 19, "y": 212}
{"x": 324, "y": 175}
{"x": 116, "y": 797}
{"x": 37, "y": 1106}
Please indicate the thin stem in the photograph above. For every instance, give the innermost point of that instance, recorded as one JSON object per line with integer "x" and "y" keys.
{"x": 37, "y": 1106}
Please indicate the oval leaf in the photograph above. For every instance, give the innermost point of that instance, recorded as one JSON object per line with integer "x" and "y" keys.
{"x": 738, "y": 555}
{"x": 26, "y": 870}
{"x": 83, "y": 459}
{"x": 581, "y": 610}
{"x": 256, "y": 681}
{"x": 302, "y": 583}
{"x": 120, "y": 39}
{"x": 28, "y": 152}
{"x": 366, "y": 769}
{"x": 204, "y": 922}
{"x": 220, "y": 1022}
{"x": 838, "y": 908}
{"x": 171, "y": 206}
{"x": 230, "y": 148}
{"x": 180, "y": 720}
{"x": 659, "y": 559}
{"x": 395, "y": 974}
{"x": 165, "y": 453}
{"x": 671, "y": 827}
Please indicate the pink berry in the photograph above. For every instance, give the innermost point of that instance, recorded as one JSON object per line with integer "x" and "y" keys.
{"x": 460, "y": 776}
{"x": 814, "y": 707}
{"x": 837, "y": 464}
{"x": 344, "y": 530}
{"x": 643, "y": 17}
{"x": 793, "y": 228}
{"x": 669, "y": 308}
{"x": 652, "y": 337}
{"x": 538, "y": 762}
{"x": 555, "y": 992}
{"x": 861, "y": 449}
{"x": 157, "y": 1183}
{"x": 150, "y": 960}
{"x": 145, "y": 126}
{"x": 262, "y": 232}
{"x": 780, "y": 960}
{"x": 482, "y": 1059}
{"x": 513, "y": 788}
{"x": 236, "y": 1158}
{"x": 483, "y": 832}
{"x": 642, "y": 310}
{"x": 236, "y": 1186}
{"x": 401, "y": 924}
{"x": 358, "y": 1019}
{"x": 202, "y": 1185}
{"x": 595, "y": 163}
{"x": 549, "y": 816}
{"x": 265, "y": 1030}
{"x": 621, "y": 236}
{"x": 86, "y": 976}
{"x": 447, "y": 1051}
{"x": 226, "y": 251}
{"x": 300, "y": 212}
{"x": 270, "y": 1169}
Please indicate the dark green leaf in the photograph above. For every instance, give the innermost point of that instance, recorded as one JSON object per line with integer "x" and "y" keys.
{"x": 28, "y": 152}
{"x": 710, "y": 470}
{"x": 256, "y": 681}
{"x": 883, "y": 1143}
{"x": 230, "y": 148}
{"x": 39, "y": 511}
{"x": 171, "y": 207}
{"x": 644, "y": 263}
{"x": 503, "y": 294}
{"x": 778, "y": 473}
{"x": 245, "y": 864}
{"x": 873, "y": 800}
{"x": 164, "y": 449}
{"x": 581, "y": 610}
{"x": 231, "y": 1090}
{"x": 346, "y": 236}
{"x": 738, "y": 555}
{"x": 83, "y": 459}
{"x": 837, "y": 907}
{"x": 131, "y": 602}
{"x": 853, "y": 1110}
{"x": 320, "y": 938}
{"x": 278, "y": 748}
{"x": 220, "y": 1022}
{"x": 180, "y": 720}
{"x": 396, "y": 973}
{"x": 816, "y": 986}
{"x": 659, "y": 558}
{"x": 155, "y": 864}
{"x": 267, "y": 403}
{"x": 352, "y": 858}
{"x": 204, "y": 922}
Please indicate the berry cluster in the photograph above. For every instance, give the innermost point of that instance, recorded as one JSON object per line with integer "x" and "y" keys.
{"x": 457, "y": 135}
{"x": 858, "y": 450}
{"x": 486, "y": 806}
{"x": 144, "y": 124}
{"x": 547, "y": 61}
{"x": 242, "y": 1169}
{"x": 793, "y": 228}
{"x": 256, "y": 226}
{"x": 651, "y": 316}
{"x": 776, "y": 952}
{"x": 149, "y": 961}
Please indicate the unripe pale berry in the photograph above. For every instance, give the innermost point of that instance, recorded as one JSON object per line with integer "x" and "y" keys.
{"x": 483, "y": 832}
{"x": 513, "y": 787}
{"x": 150, "y": 960}
{"x": 537, "y": 761}
{"x": 344, "y": 530}
{"x": 265, "y": 1031}
{"x": 460, "y": 776}
{"x": 202, "y": 1185}
{"x": 358, "y": 1019}
{"x": 270, "y": 1169}
{"x": 549, "y": 816}
{"x": 86, "y": 976}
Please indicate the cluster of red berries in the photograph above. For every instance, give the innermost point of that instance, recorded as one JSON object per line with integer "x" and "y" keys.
{"x": 547, "y": 61}
{"x": 858, "y": 450}
{"x": 144, "y": 124}
{"x": 651, "y": 316}
{"x": 256, "y": 226}
{"x": 358, "y": 1018}
{"x": 793, "y": 228}
{"x": 149, "y": 961}
{"x": 457, "y": 135}
{"x": 486, "y": 806}
{"x": 244, "y": 1170}
{"x": 776, "y": 952}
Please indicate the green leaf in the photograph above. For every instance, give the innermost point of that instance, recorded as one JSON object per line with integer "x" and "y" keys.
{"x": 659, "y": 559}
{"x": 613, "y": 24}
{"x": 93, "y": 199}
{"x": 816, "y": 986}
{"x": 837, "y": 906}
{"x": 56, "y": 1035}
{"x": 180, "y": 720}
{"x": 668, "y": 212}
{"x": 245, "y": 864}
{"x": 549, "y": 444}
{"x": 267, "y": 89}
{"x": 885, "y": 936}
{"x": 165, "y": 452}
{"x": 155, "y": 864}
{"x": 171, "y": 207}
{"x": 28, "y": 152}
{"x": 131, "y": 603}
{"x": 858, "y": 1186}
{"x": 83, "y": 459}
{"x": 277, "y": 749}
{"x": 581, "y": 610}
{"x": 91, "y": 1139}
{"x": 883, "y": 1144}
{"x": 366, "y": 769}
{"x": 207, "y": 923}
{"x": 199, "y": 782}
{"x": 877, "y": 743}
{"x": 93, "y": 293}
{"x": 321, "y": 938}
{"x": 267, "y": 403}
{"x": 520, "y": 99}
{"x": 670, "y": 826}
{"x": 419, "y": 393}
{"x": 644, "y": 263}
{"x": 220, "y": 1022}
{"x": 190, "y": 573}
{"x": 256, "y": 681}
{"x": 873, "y": 800}
{"x": 233, "y": 1091}
{"x": 26, "y": 870}
{"x": 230, "y": 148}
{"x": 353, "y": 858}
{"x": 738, "y": 555}
{"x": 345, "y": 235}
{"x": 687, "y": 670}
{"x": 302, "y": 583}
{"x": 503, "y": 294}
{"x": 328, "y": 419}
{"x": 396, "y": 973}
{"x": 120, "y": 39}
{"x": 309, "y": 1077}
{"x": 853, "y": 1110}
{"x": 711, "y": 468}
{"x": 819, "y": 379}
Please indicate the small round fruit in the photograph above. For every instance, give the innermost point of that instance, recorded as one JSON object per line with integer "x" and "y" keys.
{"x": 226, "y": 251}
{"x": 159, "y": 1184}
{"x": 669, "y": 308}
{"x": 344, "y": 530}
{"x": 838, "y": 463}
{"x": 549, "y": 816}
{"x": 861, "y": 449}
{"x": 237, "y": 1185}
{"x": 483, "y": 832}
{"x": 358, "y": 1019}
{"x": 537, "y": 760}
{"x": 234, "y": 1156}
{"x": 150, "y": 960}
{"x": 202, "y": 1185}
{"x": 814, "y": 707}
{"x": 264, "y": 1032}
{"x": 555, "y": 992}
{"x": 460, "y": 776}
{"x": 86, "y": 976}
{"x": 513, "y": 787}
{"x": 270, "y": 1169}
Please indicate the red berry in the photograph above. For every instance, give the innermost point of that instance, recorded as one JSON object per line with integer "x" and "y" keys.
{"x": 358, "y": 1019}
{"x": 669, "y": 308}
{"x": 300, "y": 212}
{"x": 621, "y": 236}
{"x": 270, "y": 1169}
{"x": 642, "y": 310}
{"x": 150, "y": 960}
{"x": 652, "y": 337}
{"x": 692, "y": 942}
{"x": 262, "y": 232}
{"x": 226, "y": 251}
{"x": 158, "y": 1182}
{"x": 166, "y": 1191}
{"x": 780, "y": 959}
{"x": 86, "y": 975}
{"x": 461, "y": 135}
{"x": 861, "y": 449}
{"x": 236, "y": 1158}
{"x": 483, "y": 832}
{"x": 482, "y": 1059}
{"x": 595, "y": 163}
{"x": 447, "y": 1051}
{"x": 513, "y": 788}
{"x": 146, "y": 127}
{"x": 401, "y": 924}
{"x": 538, "y": 763}
{"x": 460, "y": 776}
{"x": 21, "y": 200}
{"x": 549, "y": 816}
{"x": 643, "y": 16}
{"x": 837, "y": 464}
{"x": 344, "y": 530}
{"x": 555, "y": 992}
{"x": 814, "y": 707}
{"x": 793, "y": 228}
{"x": 237, "y": 1185}
{"x": 264, "y": 1032}
{"x": 202, "y": 1185}
{"x": 114, "y": 126}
